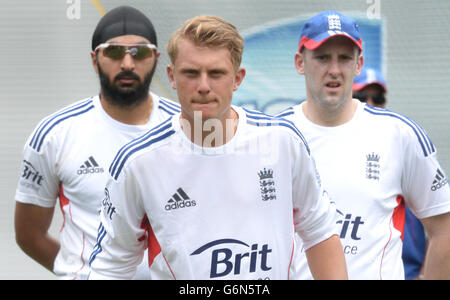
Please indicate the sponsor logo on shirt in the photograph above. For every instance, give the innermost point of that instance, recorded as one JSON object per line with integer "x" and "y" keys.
{"x": 31, "y": 177}
{"x": 350, "y": 231}
{"x": 179, "y": 200}
{"x": 90, "y": 166}
{"x": 225, "y": 261}
{"x": 108, "y": 207}
{"x": 267, "y": 185}
{"x": 439, "y": 180}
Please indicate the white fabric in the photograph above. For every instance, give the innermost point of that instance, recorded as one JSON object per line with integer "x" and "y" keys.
{"x": 67, "y": 157}
{"x": 227, "y": 212}
{"x": 368, "y": 166}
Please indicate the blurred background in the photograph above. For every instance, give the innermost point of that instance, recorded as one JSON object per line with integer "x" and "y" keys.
{"x": 45, "y": 65}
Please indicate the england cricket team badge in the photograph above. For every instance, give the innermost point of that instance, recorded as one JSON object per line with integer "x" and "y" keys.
{"x": 373, "y": 166}
{"x": 267, "y": 184}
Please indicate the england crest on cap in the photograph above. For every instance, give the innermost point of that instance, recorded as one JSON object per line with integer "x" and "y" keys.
{"x": 325, "y": 25}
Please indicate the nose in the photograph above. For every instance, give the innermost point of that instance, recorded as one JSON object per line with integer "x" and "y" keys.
{"x": 127, "y": 63}
{"x": 203, "y": 85}
{"x": 334, "y": 67}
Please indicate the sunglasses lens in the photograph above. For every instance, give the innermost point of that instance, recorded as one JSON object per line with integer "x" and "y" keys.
{"x": 378, "y": 99}
{"x": 360, "y": 96}
{"x": 114, "y": 51}
{"x": 137, "y": 52}
{"x": 142, "y": 52}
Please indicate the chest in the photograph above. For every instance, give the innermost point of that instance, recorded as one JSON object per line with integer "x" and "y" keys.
{"x": 84, "y": 158}
{"x": 204, "y": 193}
{"x": 362, "y": 170}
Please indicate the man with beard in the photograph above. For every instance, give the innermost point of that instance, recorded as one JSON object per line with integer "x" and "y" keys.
{"x": 68, "y": 154}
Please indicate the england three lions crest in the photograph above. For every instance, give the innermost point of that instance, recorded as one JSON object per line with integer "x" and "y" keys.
{"x": 267, "y": 185}
{"x": 373, "y": 166}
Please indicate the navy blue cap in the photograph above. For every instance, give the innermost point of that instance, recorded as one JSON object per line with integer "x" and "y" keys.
{"x": 367, "y": 77}
{"x": 325, "y": 25}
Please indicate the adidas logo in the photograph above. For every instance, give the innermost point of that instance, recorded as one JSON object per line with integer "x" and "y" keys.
{"x": 89, "y": 166}
{"x": 439, "y": 180}
{"x": 179, "y": 200}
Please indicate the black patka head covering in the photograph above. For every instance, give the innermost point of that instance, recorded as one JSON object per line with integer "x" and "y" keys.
{"x": 123, "y": 20}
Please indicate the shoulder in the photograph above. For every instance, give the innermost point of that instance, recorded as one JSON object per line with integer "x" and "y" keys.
{"x": 167, "y": 106}
{"x": 259, "y": 119}
{"x": 48, "y": 125}
{"x": 405, "y": 127}
{"x": 287, "y": 113}
{"x": 142, "y": 144}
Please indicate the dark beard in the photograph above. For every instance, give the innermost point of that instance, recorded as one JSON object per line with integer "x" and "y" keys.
{"x": 125, "y": 97}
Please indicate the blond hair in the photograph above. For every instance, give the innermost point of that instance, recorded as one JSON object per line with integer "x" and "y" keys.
{"x": 209, "y": 31}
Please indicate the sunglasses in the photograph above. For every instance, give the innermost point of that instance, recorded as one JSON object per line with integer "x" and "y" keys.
{"x": 377, "y": 98}
{"x": 137, "y": 51}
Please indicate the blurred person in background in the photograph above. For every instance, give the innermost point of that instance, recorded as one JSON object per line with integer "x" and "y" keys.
{"x": 370, "y": 87}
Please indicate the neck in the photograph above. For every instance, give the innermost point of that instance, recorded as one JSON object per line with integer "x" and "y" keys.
{"x": 138, "y": 114}
{"x": 212, "y": 132}
{"x": 324, "y": 115}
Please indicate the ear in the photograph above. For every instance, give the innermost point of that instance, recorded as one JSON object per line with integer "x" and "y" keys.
{"x": 359, "y": 65}
{"x": 299, "y": 63}
{"x": 238, "y": 78}
{"x": 94, "y": 61}
{"x": 170, "y": 75}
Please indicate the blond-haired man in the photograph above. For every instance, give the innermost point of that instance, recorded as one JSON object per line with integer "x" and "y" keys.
{"x": 227, "y": 188}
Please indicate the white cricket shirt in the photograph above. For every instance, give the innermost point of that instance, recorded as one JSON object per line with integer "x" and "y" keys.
{"x": 227, "y": 212}
{"x": 370, "y": 167}
{"x": 67, "y": 158}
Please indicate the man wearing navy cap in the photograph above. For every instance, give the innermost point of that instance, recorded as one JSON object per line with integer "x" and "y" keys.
{"x": 68, "y": 155}
{"x": 370, "y": 87}
{"x": 371, "y": 161}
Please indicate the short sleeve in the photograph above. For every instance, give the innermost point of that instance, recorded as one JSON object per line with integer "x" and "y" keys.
{"x": 314, "y": 214}
{"x": 38, "y": 181}
{"x": 424, "y": 182}
{"x": 121, "y": 237}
